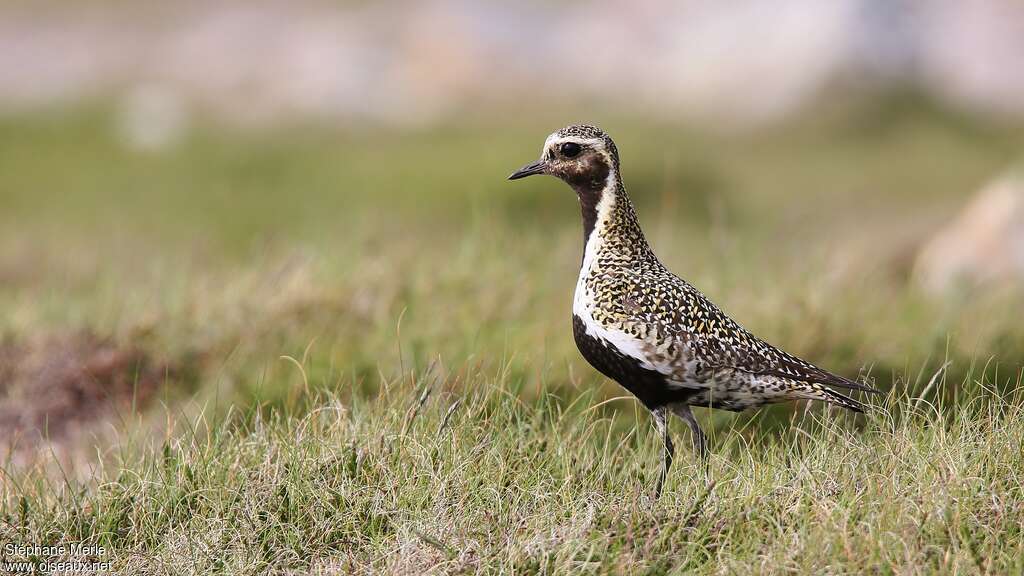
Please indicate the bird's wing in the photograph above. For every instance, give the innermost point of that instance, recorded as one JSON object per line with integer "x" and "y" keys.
{"x": 717, "y": 341}
{"x": 758, "y": 357}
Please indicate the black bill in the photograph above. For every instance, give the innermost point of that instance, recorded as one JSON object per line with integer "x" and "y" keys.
{"x": 537, "y": 167}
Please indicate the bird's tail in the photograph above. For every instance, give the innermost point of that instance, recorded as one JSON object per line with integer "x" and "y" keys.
{"x": 819, "y": 392}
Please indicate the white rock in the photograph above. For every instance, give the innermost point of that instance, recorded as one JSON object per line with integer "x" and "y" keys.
{"x": 983, "y": 245}
{"x": 151, "y": 118}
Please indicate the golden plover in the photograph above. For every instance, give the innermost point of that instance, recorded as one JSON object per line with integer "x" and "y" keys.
{"x": 651, "y": 331}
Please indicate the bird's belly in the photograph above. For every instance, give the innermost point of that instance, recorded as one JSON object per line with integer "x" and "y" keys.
{"x": 667, "y": 377}
{"x": 735, "y": 390}
{"x": 650, "y": 386}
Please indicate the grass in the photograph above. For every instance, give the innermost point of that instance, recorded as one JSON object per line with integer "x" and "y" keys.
{"x": 370, "y": 368}
{"x": 434, "y": 478}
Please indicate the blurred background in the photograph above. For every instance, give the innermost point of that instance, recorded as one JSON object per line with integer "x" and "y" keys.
{"x": 190, "y": 192}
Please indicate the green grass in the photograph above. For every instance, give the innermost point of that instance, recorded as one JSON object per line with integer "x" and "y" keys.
{"x": 432, "y": 477}
{"x": 309, "y": 285}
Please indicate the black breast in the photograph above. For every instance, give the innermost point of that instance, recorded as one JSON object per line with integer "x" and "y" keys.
{"x": 647, "y": 385}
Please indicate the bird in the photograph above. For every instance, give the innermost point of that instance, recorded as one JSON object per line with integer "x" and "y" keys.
{"x": 649, "y": 330}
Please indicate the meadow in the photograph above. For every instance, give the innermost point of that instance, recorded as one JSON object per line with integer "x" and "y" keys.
{"x": 324, "y": 350}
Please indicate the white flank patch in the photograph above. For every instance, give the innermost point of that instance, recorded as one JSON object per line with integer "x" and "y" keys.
{"x": 583, "y": 300}
{"x": 582, "y": 304}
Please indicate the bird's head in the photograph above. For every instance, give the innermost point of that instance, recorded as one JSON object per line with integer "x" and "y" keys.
{"x": 581, "y": 155}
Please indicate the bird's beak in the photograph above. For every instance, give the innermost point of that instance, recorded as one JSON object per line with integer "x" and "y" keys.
{"x": 538, "y": 167}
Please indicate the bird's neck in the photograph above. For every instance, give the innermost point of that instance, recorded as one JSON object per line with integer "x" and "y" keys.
{"x": 610, "y": 224}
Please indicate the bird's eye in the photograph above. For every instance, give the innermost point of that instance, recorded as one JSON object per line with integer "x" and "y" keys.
{"x": 571, "y": 149}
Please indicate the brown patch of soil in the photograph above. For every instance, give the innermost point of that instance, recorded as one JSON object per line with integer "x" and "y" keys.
{"x": 51, "y": 387}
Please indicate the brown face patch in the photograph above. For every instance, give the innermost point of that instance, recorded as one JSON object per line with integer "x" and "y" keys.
{"x": 587, "y": 172}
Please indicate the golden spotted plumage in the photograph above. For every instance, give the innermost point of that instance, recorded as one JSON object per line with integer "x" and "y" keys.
{"x": 648, "y": 329}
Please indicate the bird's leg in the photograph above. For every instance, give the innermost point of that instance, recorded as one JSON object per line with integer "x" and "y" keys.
{"x": 661, "y": 423}
{"x": 700, "y": 441}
